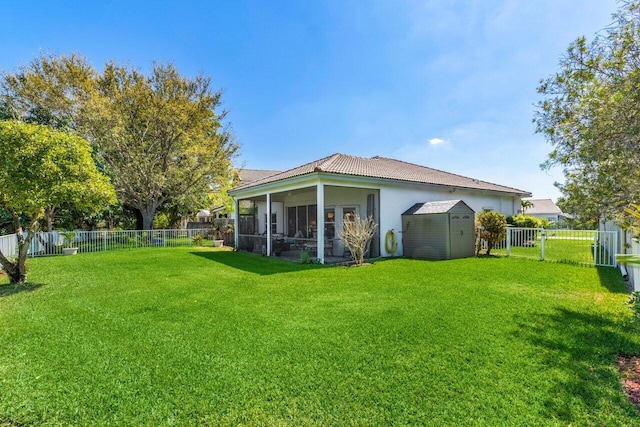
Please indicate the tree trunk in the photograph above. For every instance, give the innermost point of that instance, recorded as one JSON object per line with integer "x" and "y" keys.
{"x": 15, "y": 276}
{"x": 147, "y": 218}
{"x": 49, "y": 216}
{"x": 16, "y": 271}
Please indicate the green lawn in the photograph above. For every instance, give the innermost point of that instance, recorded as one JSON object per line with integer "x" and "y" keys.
{"x": 559, "y": 249}
{"x": 196, "y": 336}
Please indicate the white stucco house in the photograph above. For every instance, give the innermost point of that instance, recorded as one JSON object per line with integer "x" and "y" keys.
{"x": 545, "y": 208}
{"x": 309, "y": 203}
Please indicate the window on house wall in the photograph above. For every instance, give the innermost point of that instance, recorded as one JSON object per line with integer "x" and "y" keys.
{"x": 302, "y": 221}
{"x": 330, "y": 223}
{"x": 292, "y": 220}
{"x": 312, "y": 217}
{"x": 274, "y": 222}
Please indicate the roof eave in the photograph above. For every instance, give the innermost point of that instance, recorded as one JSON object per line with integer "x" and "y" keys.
{"x": 309, "y": 178}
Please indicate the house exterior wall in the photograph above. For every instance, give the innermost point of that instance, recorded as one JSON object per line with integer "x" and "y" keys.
{"x": 394, "y": 200}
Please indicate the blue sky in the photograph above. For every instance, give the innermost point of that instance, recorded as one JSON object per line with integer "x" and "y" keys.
{"x": 446, "y": 84}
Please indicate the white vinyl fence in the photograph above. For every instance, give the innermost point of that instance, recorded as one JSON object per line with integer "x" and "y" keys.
{"x": 586, "y": 247}
{"x": 9, "y": 245}
{"x": 51, "y": 243}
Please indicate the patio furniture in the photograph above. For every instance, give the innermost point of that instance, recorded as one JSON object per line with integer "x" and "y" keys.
{"x": 312, "y": 247}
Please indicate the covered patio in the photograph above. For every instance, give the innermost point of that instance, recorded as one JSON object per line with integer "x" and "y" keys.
{"x": 307, "y": 217}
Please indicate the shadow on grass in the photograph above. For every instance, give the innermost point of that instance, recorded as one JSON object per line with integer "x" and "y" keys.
{"x": 611, "y": 278}
{"x": 255, "y": 264}
{"x": 10, "y": 289}
{"x": 578, "y": 351}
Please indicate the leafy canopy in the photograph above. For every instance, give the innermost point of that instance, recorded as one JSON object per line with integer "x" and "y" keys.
{"x": 159, "y": 136}
{"x": 40, "y": 167}
{"x": 589, "y": 113}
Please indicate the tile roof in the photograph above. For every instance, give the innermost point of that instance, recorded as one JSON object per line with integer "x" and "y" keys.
{"x": 385, "y": 168}
{"x": 251, "y": 175}
{"x": 542, "y": 206}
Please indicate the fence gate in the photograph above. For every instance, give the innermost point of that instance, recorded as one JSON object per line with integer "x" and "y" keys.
{"x": 586, "y": 247}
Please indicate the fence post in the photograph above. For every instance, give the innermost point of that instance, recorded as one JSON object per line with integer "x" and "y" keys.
{"x": 542, "y": 239}
{"x": 508, "y": 241}
{"x": 615, "y": 250}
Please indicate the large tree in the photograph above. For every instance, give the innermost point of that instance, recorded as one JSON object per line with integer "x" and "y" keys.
{"x": 41, "y": 167}
{"x": 590, "y": 113}
{"x": 159, "y": 136}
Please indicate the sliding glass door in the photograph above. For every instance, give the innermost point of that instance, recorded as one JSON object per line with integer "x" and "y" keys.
{"x": 302, "y": 221}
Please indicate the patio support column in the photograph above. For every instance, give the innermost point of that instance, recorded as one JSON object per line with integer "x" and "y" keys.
{"x": 236, "y": 222}
{"x": 268, "y": 224}
{"x": 320, "y": 221}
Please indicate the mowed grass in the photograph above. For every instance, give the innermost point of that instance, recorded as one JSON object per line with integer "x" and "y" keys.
{"x": 559, "y": 249}
{"x": 190, "y": 336}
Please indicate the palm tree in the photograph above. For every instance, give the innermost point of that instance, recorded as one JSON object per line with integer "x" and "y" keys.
{"x": 526, "y": 204}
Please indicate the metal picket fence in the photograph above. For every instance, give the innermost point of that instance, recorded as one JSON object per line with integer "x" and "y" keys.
{"x": 585, "y": 247}
{"x": 51, "y": 243}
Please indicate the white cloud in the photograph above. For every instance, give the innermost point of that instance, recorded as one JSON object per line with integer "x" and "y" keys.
{"x": 436, "y": 141}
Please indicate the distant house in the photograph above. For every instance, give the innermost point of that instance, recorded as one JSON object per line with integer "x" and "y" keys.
{"x": 248, "y": 176}
{"x": 311, "y": 201}
{"x": 545, "y": 208}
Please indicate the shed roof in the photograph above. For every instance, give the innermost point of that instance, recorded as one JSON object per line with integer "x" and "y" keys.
{"x": 435, "y": 207}
{"x": 385, "y": 168}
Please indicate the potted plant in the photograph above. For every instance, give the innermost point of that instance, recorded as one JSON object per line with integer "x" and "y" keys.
{"x": 217, "y": 237}
{"x": 69, "y": 236}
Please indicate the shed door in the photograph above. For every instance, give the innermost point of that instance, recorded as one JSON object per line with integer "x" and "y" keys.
{"x": 461, "y": 233}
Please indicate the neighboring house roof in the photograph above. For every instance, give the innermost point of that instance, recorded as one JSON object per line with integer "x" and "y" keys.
{"x": 385, "y": 168}
{"x": 542, "y": 207}
{"x": 248, "y": 176}
{"x": 434, "y": 207}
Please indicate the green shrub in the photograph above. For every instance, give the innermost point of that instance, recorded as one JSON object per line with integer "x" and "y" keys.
{"x": 492, "y": 227}
{"x": 197, "y": 239}
{"x": 634, "y": 302}
{"x": 161, "y": 221}
{"x": 527, "y": 221}
{"x": 305, "y": 257}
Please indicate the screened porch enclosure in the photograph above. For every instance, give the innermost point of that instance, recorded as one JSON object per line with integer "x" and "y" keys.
{"x": 289, "y": 222}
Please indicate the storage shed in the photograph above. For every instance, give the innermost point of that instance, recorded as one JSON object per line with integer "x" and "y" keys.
{"x": 439, "y": 230}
